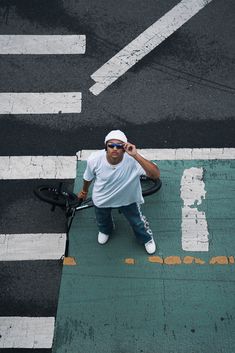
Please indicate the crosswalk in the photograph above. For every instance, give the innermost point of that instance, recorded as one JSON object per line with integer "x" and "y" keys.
{"x": 30, "y": 327}
{"x": 27, "y": 331}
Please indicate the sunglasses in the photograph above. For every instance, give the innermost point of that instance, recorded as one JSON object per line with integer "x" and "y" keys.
{"x": 117, "y": 145}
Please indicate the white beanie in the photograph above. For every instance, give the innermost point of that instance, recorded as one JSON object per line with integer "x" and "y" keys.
{"x": 116, "y": 135}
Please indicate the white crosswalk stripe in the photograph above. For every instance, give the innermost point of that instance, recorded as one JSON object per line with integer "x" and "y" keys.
{"x": 41, "y": 103}
{"x": 172, "y": 154}
{"x": 42, "y": 44}
{"x": 26, "y": 332}
{"x": 41, "y": 246}
{"x": 37, "y": 167}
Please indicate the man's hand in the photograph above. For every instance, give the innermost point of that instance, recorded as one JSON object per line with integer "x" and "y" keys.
{"x": 151, "y": 169}
{"x": 130, "y": 149}
{"x": 82, "y": 195}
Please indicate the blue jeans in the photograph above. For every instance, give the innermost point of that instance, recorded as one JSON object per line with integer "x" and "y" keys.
{"x": 134, "y": 216}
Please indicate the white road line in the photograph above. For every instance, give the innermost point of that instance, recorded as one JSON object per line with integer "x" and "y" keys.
{"x": 145, "y": 43}
{"x": 42, "y": 44}
{"x": 40, "y": 246}
{"x": 176, "y": 154}
{"x": 194, "y": 224}
{"x": 64, "y": 167}
{"x": 26, "y": 332}
{"x": 40, "y": 103}
{"x": 37, "y": 167}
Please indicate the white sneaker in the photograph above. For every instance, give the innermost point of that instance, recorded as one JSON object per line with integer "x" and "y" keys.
{"x": 102, "y": 238}
{"x": 150, "y": 246}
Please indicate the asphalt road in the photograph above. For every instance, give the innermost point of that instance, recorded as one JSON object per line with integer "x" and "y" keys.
{"x": 179, "y": 95}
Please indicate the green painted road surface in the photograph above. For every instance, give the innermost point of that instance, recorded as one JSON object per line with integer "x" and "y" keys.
{"x": 117, "y": 299}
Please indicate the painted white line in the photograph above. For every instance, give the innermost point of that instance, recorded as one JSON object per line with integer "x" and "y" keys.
{"x": 145, "y": 43}
{"x": 194, "y": 224}
{"x": 37, "y": 167}
{"x": 26, "y": 332}
{"x": 41, "y": 246}
{"x": 64, "y": 167}
{"x": 42, "y": 44}
{"x": 40, "y": 103}
{"x": 176, "y": 154}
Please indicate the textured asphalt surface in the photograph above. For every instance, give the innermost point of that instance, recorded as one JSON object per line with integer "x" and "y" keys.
{"x": 180, "y": 95}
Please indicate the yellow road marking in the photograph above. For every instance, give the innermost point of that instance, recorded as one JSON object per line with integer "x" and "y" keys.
{"x": 172, "y": 260}
{"x": 129, "y": 261}
{"x": 156, "y": 259}
{"x": 190, "y": 259}
{"x": 219, "y": 260}
{"x": 69, "y": 261}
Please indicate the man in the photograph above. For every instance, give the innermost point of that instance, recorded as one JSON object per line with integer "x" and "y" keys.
{"x": 116, "y": 173}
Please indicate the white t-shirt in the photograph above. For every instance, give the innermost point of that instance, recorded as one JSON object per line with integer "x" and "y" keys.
{"x": 114, "y": 185}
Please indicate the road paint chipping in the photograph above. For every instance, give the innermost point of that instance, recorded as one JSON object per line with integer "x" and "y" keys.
{"x": 155, "y": 259}
{"x": 231, "y": 259}
{"x": 69, "y": 261}
{"x": 145, "y": 43}
{"x": 26, "y": 332}
{"x": 41, "y": 103}
{"x": 190, "y": 259}
{"x": 219, "y": 260}
{"x": 172, "y": 260}
{"x": 34, "y": 246}
{"x": 194, "y": 224}
{"x": 37, "y": 167}
{"x": 42, "y": 44}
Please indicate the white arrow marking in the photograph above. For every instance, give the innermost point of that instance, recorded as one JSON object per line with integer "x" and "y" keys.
{"x": 145, "y": 43}
{"x": 40, "y": 103}
{"x": 42, "y": 44}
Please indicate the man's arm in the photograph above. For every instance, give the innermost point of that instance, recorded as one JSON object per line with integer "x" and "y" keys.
{"x": 151, "y": 169}
{"x": 83, "y": 193}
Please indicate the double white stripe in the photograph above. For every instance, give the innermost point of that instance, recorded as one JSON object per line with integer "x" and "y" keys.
{"x": 43, "y": 245}
{"x": 40, "y": 102}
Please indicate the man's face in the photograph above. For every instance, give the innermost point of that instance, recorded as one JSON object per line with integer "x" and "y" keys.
{"x": 115, "y": 150}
